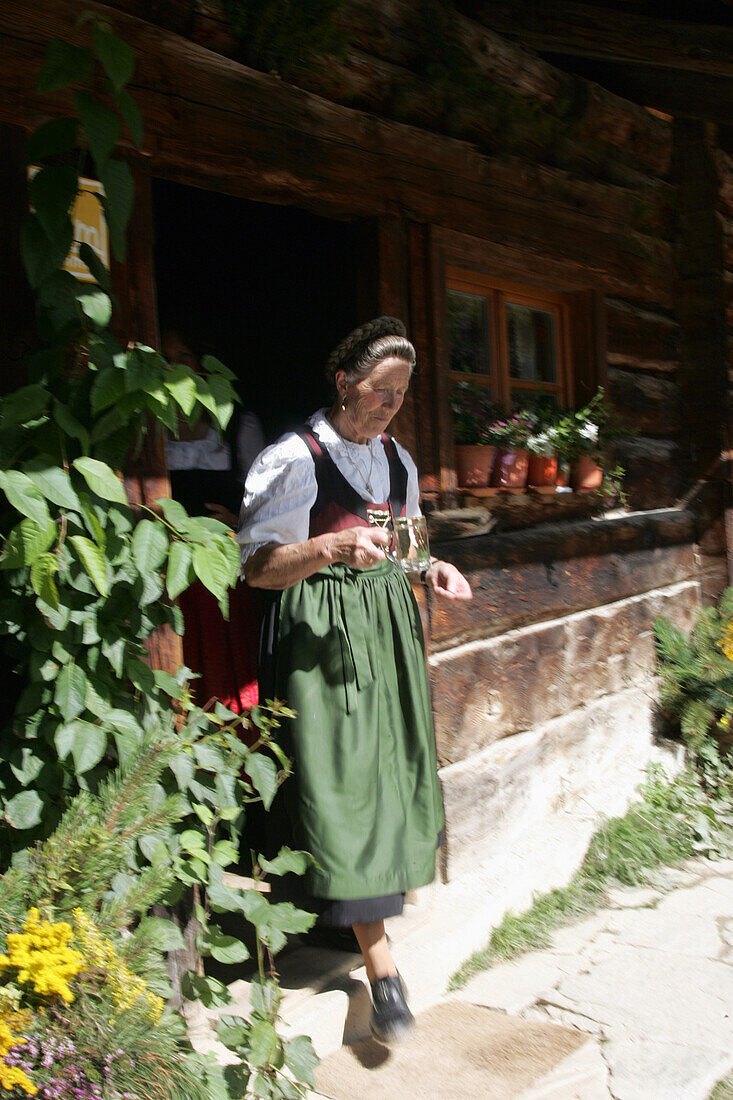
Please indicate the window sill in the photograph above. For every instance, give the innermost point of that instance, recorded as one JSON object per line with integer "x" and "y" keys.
{"x": 485, "y": 510}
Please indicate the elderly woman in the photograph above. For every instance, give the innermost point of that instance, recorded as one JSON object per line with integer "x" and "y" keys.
{"x": 343, "y": 645}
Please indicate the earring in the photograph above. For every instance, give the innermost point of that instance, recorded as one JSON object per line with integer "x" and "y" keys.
{"x": 343, "y": 403}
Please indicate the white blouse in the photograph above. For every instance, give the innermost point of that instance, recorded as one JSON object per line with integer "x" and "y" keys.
{"x": 281, "y": 486}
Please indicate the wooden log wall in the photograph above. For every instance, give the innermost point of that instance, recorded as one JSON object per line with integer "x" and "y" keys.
{"x": 542, "y": 171}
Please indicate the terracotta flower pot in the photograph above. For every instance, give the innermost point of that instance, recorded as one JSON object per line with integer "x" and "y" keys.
{"x": 510, "y": 469}
{"x": 542, "y": 471}
{"x": 473, "y": 464}
{"x": 587, "y": 475}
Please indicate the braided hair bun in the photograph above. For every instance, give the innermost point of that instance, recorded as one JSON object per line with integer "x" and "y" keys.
{"x": 354, "y": 346}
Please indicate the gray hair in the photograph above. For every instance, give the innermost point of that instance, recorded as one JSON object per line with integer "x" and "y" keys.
{"x": 367, "y": 346}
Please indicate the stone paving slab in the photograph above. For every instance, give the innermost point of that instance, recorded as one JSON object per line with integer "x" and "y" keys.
{"x": 651, "y": 977}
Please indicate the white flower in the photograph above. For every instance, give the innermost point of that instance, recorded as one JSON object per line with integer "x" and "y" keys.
{"x": 589, "y": 431}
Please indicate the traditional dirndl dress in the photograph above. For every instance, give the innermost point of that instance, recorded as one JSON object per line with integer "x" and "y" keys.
{"x": 344, "y": 648}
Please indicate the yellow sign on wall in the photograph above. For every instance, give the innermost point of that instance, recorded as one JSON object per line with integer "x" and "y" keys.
{"x": 90, "y": 227}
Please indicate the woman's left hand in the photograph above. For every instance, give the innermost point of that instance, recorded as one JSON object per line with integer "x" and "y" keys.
{"x": 448, "y": 582}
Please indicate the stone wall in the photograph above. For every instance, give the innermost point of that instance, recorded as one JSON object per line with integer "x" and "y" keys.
{"x": 544, "y": 686}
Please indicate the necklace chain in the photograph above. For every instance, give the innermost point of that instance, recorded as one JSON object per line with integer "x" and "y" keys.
{"x": 357, "y": 464}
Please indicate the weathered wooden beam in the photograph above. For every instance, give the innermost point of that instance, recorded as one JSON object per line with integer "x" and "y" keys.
{"x": 684, "y": 68}
{"x": 703, "y": 96}
{"x": 611, "y": 33}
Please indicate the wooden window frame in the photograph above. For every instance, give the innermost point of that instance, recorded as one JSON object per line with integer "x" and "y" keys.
{"x": 498, "y": 293}
{"x": 584, "y": 325}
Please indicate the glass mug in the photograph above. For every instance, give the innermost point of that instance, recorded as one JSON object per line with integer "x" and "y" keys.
{"x": 409, "y": 548}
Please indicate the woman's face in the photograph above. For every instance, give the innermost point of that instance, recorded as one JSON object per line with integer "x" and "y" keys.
{"x": 371, "y": 402}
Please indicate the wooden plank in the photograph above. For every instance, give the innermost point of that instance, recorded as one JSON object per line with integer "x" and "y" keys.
{"x": 641, "y": 338}
{"x": 213, "y": 122}
{"x": 612, "y": 33}
{"x": 146, "y": 478}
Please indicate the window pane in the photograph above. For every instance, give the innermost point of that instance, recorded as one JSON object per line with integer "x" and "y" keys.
{"x": 531, "y": 338}
{"x": 468, "y": 332}
{"x": 533, "y": 399}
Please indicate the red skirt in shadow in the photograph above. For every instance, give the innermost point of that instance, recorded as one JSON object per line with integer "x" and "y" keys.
{"x": 223, "y": 653}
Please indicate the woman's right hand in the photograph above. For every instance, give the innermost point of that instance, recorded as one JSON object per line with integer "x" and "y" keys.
{"x": 359, "y": 546}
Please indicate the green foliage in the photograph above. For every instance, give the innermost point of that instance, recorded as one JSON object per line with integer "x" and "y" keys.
{"x": 282, "y": 35}
{"x": 82, "y": 574}
{"x": 696, "y": 674}
{"x": 111, "y": 800}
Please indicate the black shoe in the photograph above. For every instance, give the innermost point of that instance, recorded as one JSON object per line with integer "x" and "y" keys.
{"x": 391, "y": 1018}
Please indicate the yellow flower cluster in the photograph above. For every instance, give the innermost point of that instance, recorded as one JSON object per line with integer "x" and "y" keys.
{"x": 10, "y": 1076}
{"x": 124, "y": 986}
{"x": 42, "y": 957}
{"x": 726, "y": 641}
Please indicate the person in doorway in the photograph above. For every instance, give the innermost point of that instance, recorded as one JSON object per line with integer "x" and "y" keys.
{"x": 207, "y": 475}
{"x": 342, "y": 644}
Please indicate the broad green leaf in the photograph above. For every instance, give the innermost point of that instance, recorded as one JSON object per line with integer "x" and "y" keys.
{"x": 116, "y": 57}
{"x": 161, "y": 934}
{"x": 225, "y": 852}
{"x": 54, "y": 483}
{"x": 221, "y": 898}
{"x": 264, "y": 1042}
{"x": 88, "y": 256}
{"x": 101, "y": 126}
{"x": 265, "y": 996}
{"x": 211, "y": 992}
{"x": 26, "y": 766}
{"x": 193, "y": 842}
{"x": 101, "y": 479}
{"x": 52, "y": 192}
{"x": 63, "y": 64}
{"x": 213, "y": 569}
{"x": 286, "y": 862}
{"x": 23, "y": 405}
{"x": 26, "y": 542}
{"x": 141, "y": 675}
{"x": 24, "y": 496}
{"x": 211, "y": 365}
{"x": 131, "y": 114}
{"x": 96, "y": 307}
{"x": 93, "y": 560}
{"x": 301, "y": 1059}
{"x": 149, "y": 545}
{"x": 181, "y": 384}
{"x": 57, "y": 296}
{"x": 225, "y": 948}
{"x": 223, "y": 396}
{"x": 24, "y": 810}
{"x": 262, "y": 773}
{"x": 179, "y": 568}
{"x": 167, "y": 683}
{"x": 69, "y": 424}
{"x": 86, "y": 742}
{"x": 174, "y": 512}
{"x": 42, "y": 578}
{"x": 232, "y": 1031}
{"x": 127, "y": 734}
{"x": 70, "y": 691}
{"x": 118, "y": 199}
{"x": 42, "y": 255}
{"x": 58, "y": 135}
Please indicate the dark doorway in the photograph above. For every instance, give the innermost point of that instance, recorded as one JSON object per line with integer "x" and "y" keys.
{"x": 269, "y": 290}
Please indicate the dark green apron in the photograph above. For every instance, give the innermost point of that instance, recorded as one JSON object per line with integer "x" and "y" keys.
{"x": 365, "y": 798}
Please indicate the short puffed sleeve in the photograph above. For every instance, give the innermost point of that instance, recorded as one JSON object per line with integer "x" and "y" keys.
{"x": 279, "y": 493}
